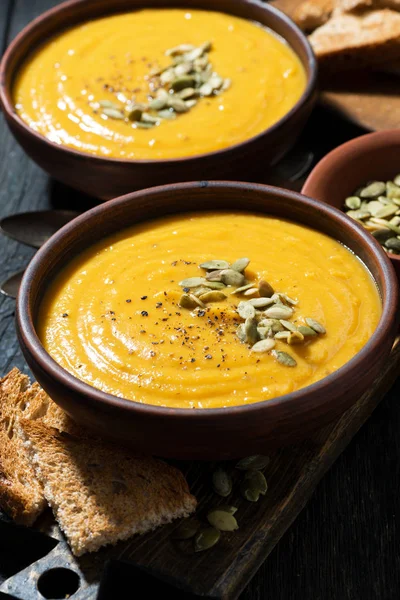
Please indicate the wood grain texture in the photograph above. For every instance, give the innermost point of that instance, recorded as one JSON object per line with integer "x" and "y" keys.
{"x": 370, "y": 99}
{"x": 343, "y": 545}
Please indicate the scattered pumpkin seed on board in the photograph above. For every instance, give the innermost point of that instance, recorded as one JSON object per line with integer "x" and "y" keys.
{"x": 206, "y": 538}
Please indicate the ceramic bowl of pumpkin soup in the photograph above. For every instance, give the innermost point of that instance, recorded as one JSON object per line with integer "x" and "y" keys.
{"x": 208, "y": 333}
{"x": 123, "y": 95}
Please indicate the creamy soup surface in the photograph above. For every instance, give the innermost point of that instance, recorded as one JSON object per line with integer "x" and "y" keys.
{"x": 112, "y": 317}
{"x": 109, "y": 59}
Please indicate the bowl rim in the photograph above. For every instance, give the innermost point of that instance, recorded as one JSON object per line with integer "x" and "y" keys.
{"x": 344, "y": 153}
{"x": 7, "y": 104}
{"x": 96, "y": 397}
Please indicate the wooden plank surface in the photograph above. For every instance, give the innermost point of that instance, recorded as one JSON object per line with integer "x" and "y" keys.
{"x": 343, "y": 545}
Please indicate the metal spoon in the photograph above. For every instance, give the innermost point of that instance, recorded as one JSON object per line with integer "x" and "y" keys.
{"x": 35, "y": 228}
{"x": 10, "y": 287}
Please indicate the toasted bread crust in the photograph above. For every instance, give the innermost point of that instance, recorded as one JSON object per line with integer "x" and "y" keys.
{"x": 101, "y": 493}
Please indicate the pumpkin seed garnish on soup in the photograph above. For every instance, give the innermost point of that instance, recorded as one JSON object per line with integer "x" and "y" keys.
{"x": 266, "y": 317}
{"x": 377, "y": 207}
{"x": 174, "y": 89}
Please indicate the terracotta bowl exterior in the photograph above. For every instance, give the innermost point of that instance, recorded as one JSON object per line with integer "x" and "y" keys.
{"x": 107, "y": 178}
{"x": 209, "y": 433}
{"x": 351, "y": 165}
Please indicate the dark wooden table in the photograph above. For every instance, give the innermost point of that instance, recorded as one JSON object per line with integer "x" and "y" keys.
{"x": 343, "y": 546}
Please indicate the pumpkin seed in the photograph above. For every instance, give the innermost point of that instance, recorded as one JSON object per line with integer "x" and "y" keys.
{"x": 288, "y": 299}
{"x": 192, "y": 282}
{"x": 167, "y": 76}
{"x": 214, "y": 285}
{"x": 160, "y": 101}
{"x": 256, "y": 480}
{"x": 228, "y": 508}
{"x": 206, "y": 538}
{"x": 178, "y": 50}
{"x": 193, "y": 54}
{"x": 186, "y": 530}
{"x": 260, "y": 302}
{"x": 382, "y": 235}
{"x": 250, "y": 328}
{"x": 295, "y": 337}
{"x": 373, "y": 190}
{"x": 206, "y": 89}
{"x": 288, "y": 325}
{"x": 396, "y": 180}
{"x": 265, "y": 289}
{"x": 222, "y": 520}
{"x": 250, "y": 292}
{"x": 282, "y": 335}
{"x": 240, "y": 332}
{"x": 214, "y": 265}
{"x": 202, "y": 289}
{"x": 395, "y": 221}
{"x": 386, "y": 211}
{"x": 284, "y": 358}
{"x": 214, "y": 275}
{"x": 241, "y": 264}
{"x": 135, "y": 112}
{"x": 187, "y": 93}
{"x": 213, "y": 296}
{"x": 190, "y": 301}
{"x": 353, "y": 202}
{"x": 180, "y": 83}
{"x": 246, "y": 310}
{"x": 374, "y": 207}
{"x": 243, "y": 288}
{"x": 231, "y": 277}
{"x": 386, "y": 224}
{"x": 227, "y": 84}
{"x": 307, "y": 331}
{"x": 249, "y": 493}
{"x": 166, "y": 114}
{"x": 315, "y": 325}
{"x": 393, "y": 243}
{"x": 278, "y": 312}
{"x": 263, "y": 332}
{"x": 222, "y": 482}
{"x": 146, "y": 118}
{"x": 177, "y": 104}
{"x": 113, "y": 113}
{"x": 183, "y": 68}
{"x": 191, "y": 103}
{"x": 392, "y": 189}
{"x": 142, "y": 125}
{"x": 358, "y": 215}
{"x": 108, "y": 104}
{"x": 255, "y": 462}
{"x": 264, "y": 345}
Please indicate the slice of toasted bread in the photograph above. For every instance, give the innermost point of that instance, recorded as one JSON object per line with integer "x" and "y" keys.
{"x": 313, "y": 13}
{"x": 101, "y": 493}
{"x": 352, "y": 41}
{"x": 349, "y": 6}
{"x": 21, "y": 494}
{"x": 42, "y": 408}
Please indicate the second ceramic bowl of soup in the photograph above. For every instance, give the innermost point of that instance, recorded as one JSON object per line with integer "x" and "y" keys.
{"x": 237, "y": 79}
{"x": 121, "y": 335}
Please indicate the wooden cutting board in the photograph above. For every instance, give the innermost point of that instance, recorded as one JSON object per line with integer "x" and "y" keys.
{"x": 223, "y": 571}
{"x": 368, "y": 99}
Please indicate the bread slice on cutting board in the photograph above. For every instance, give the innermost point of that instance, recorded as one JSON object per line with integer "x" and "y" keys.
{"x": 351, "y": 41}
{"x": 99, "y": 493}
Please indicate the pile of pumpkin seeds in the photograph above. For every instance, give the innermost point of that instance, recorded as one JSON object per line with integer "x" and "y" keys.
{"x": 377, "y": 207}
{"x": 266, "y": 314}
{"x": 222, "y": 518}
{"x": 174, "y": 89}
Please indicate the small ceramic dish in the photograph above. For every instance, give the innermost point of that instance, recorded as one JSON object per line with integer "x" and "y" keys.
{"x": 374, "y": 156}
{"x": 106, "y": 177}
{"x": 206, "y": 433}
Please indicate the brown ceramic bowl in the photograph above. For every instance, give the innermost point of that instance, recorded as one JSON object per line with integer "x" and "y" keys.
{"x": 107, "y": 178}
{"x": 351, "y": 165}
{"x": 208, "y": 433}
